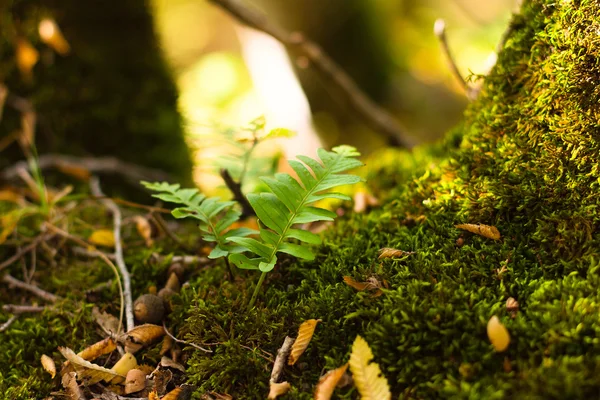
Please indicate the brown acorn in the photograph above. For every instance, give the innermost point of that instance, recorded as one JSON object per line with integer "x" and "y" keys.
{"x": 149, "y": 308}
{"x": 177, "y": 269}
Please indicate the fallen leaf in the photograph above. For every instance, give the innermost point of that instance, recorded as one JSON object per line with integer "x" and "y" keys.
{"x": 153, "y": 396}
{"x": 144, "y": 229}
{"x": 278, "y": 389}
{"x": 48, "y": 365}
{"x": 360, "y": 286}
{"x": 183, "y": 392}
{"x": 126, "y": 363}
{"x": 168, "y": 363}
{"x": 369, "y": 381}
{"x": 328, "y": 383}
{"x": 102, "y": 237}
{"x": 388, "y": 252}
{"x": 92, "y": 373}
{"x": 51, "y": 35}
{"x": 219, "y": 396}
{"x": 498, "y": 334}
{"x": 69, "y": 382}
{"x": 167, "y": 344}
{"x": 305, "y": 334}
{"x": 109, "y": 323}
{"x": 488, "y": 231}
{"x": 142, "y": 336}
{"x": 162, "y": 377}
{"x": 98, "y": 349}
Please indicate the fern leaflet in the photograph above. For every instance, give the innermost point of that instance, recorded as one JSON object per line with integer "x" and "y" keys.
{"x": 215, "y": 216}
{"x": 290, "y": 204}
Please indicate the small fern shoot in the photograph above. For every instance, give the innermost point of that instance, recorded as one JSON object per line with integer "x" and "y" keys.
{"x": 290, "y": 203}
{"x": 215, "y": 216}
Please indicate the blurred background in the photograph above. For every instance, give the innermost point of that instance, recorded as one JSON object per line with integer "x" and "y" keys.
{"x": 228, "y": 75}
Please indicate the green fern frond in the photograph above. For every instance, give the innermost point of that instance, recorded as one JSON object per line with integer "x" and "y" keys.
{"x": 290, "y": 203}
{"x": 215, "y": 216}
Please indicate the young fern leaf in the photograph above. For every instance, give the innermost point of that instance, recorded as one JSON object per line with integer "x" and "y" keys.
{"x": 290, "y": 203}
{"x": 215, "y": 216}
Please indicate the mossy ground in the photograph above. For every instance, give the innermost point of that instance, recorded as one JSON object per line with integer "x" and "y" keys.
{"x": 525, "y": 160}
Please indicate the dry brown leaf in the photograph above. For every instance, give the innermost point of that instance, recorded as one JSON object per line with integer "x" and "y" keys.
{"x": 498, "y": 334}
{"x": 144, "y": 229}
{"x": 328, "y": 383}
{"x": 167, "y": 344}
{"x": 153, "y": 396}
{"x": 98, "y": 349}
{"x": 360, "y": 286}
{"x": 51, "y": 35}
{"x": 162, "y": 377}
{"x": 69, "y": 382}
{"x": 369, "y": 380}
{"x": 109, "y": 323}
{"x": 74, "y": 171}
{"x": 48, "y": 365}
{"x": 305, "y": 334}
{"x": 86, "y": 370}
{"x": 388, "y": 252}
{"x": 219, "y": 396}
{"x": 488, "y": 231}
{"x": 102, "y": 237}
{"x": 27, "y": 56}
{"x": 142, "y": 336}
{"x": 169, "y": 363}
{"x": 278, "y": 389}
{"x": 183, "y": 392}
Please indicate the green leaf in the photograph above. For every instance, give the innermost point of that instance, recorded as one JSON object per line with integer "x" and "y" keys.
{"x": 243, "y": 262}
{"x": 279, "y": 133}
{"x": 297, "y": 251}
{"x": 304, "y": 236}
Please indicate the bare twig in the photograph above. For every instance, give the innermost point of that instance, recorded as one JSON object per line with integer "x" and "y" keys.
{"x": 25, "y": 250}
{"x": 134, "y": 173}
{"x": 104, "y": 258}
{"x": 439, "y": 28}
{"x": 183, "y": 341}
{"x": 373, "y": 115}
{"x": 16, "y": 309}
{"x": 8, "y": 323}
{"x": 96, "y": 191}
{"x": 82, "y": 251}
{"x": 187, "y": 259}
{"x": 236, "y": 190}
{"x": 42, "y": 294}
{"x": 282, "y": 355}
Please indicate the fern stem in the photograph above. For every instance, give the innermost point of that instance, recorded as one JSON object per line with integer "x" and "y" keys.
{"x": 256, "y": 290}
{"x": 229, "y": 270}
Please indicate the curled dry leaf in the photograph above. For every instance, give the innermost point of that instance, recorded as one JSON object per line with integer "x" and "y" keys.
{"x": 86, "y": 370}
{"x": 183, "y": 392}
{"x": 498, "y": 334}
{"x": 168, "y": 363}
{"x": 167, "y": 344}
{"x": 278, "y": 389}
{"x": 488, "y": 231}
{"x": 369, "y": 381}
{"x": 48, "y": 365}
{"x": 142, "y": 336}
{"x": 98, "y": 349}
{"x": 388, "y": 252}
{"x": 102, "y": 237}
{"x": 305, "y": 334}
{"x": 372, "y": 283}
{"x": 69, "y": 382}
{"x": 162, "y": 377}
{"x": 109, "y": 323}
{"x": 144, "y": 229}
{"x": 328, "y": 383}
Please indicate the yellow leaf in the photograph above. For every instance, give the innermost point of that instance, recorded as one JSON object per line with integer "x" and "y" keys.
{"x": 369, "y": 381}
{"x": 123, "y": 366}
{"x": 388, "y": 252}
{"x": 48, "y": 365}
{"x": 328, "y": 383}
{"x": 103, "y": 237}
{"x": 488, "y": 231}
{"x": 86, "y": 370}
{"x": 278, "y": 389}
{"x": 98, "y": 349}
{"x": 498, "y": 334}
{"x": 360, "y": 286}
{"x": 305, "y": 334}
{"x": 8, "y": 223}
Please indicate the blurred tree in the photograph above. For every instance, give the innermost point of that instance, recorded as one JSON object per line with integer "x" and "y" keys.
{"x": 112, "y": 94}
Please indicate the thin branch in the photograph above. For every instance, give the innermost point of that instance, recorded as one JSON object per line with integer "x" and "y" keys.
{"x": 439, "y": 28}
{"x": 25, "y": 250}
{"x": 183, "y": 341}
{"x": 16, "y": 309}
{"x": 134, "y": 173}
{"x": 236, "y": 190}
{"x": 99, "y": 254}
{"x": 282, "y": 355}
{"x": 374, "y": 116}
{"x": 186, "y": 259}
{"x": 82, "y": 251}
{"x": 117, "y": 219}
{"x": 8, "y": 323}
{"x": 42, "y": 294}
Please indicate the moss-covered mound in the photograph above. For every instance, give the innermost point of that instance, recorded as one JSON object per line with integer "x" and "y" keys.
{"x": 526, "y": 161}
